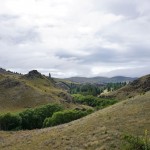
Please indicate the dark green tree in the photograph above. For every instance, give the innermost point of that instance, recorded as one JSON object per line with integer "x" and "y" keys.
{"x": 10, "y": 122}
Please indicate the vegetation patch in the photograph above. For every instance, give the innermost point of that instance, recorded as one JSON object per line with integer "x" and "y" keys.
{"x": 94, "y": 89}
{"x": 44, "y": 116}
{"x": 92, "y": 101}
{"x": 65, "y": 117}
{"x": 28, "y": 119}
{"x": 137, "y": 143}
{"x": 85, "y": 89}
{"x": 10, "y": 122}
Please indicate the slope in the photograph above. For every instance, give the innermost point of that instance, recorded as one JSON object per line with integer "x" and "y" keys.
{"x": 102, "y": 130}
{"x": 138, "y": 86}
{"x": 24, "y": 91}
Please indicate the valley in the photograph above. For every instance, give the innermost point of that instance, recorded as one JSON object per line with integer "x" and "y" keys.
{"x": 83, "y": 118}
{"x": 101, "y": 130}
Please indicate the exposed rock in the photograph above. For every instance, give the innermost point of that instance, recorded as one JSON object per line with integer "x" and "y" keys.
{"x": 50, "y": 76}
{"x": 34, "y": 74}
{"x": 2, "y": 70}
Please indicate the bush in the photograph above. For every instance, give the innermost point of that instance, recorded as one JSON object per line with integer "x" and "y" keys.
{"x": 33, "y": 118}
{"x": 28, "y": 119}
{"x": 65, "y": 117}
{"x": 47, "y": 115}
{"x": 10, "y": 122}
{"x": 93, "y": 101}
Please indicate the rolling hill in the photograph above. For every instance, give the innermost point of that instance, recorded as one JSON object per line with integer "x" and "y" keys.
{"x": 138, "y": 86}
{"x": 102, "y": 130}
{"x": 30, "y": 90}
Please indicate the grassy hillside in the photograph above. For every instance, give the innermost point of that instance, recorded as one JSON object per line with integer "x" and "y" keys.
{"x": 102, "y": 130}
{"x": 138, "y": 86}
{"x": 24, "y": 91}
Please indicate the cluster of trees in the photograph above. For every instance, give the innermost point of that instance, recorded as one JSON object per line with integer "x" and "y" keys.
{"x": 115, "y": 86}
{"x": 44, "y": 116}
{"x": 65, "y": 117}
{"x": 93, "y": 89}
{"x": 85, "y": 89}
{"x": 9, "y": 121}
{"x": 28, "y": 119}
{"x": 93, "y": 101}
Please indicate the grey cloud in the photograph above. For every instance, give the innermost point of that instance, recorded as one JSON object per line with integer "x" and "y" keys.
{"x": 100, "y": 55}
{"x": 136, "y": 53}
{"x": 25, "y": 36}
{"x": 13, "y": 33}
{"x": 6, "y": 17}
{"x": 131, "y": 72}
{"x": 20, "y": 36}
{"x": 125, "y": 8}
{"x": 63, "y": 54}
{"x": 139, "y": 52}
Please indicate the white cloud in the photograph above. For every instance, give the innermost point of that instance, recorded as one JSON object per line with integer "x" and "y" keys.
{"x": 75, "y": 37}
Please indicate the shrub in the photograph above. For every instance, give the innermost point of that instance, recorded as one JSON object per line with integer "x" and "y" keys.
{"x": 28, "y": 119}
{"x": 65, "y": 117}
{"x": 33, "y": 118}
{"x": 47, "y": 115}
{"x": 93, "y": 101}
{"x": 44, "y": 112}
{"x": 10, "y": 122}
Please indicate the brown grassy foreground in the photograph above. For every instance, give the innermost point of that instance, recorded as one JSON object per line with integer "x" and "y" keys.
{"x": 102, "y": 130}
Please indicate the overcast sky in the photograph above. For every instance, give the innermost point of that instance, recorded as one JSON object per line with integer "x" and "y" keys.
{"x": 76, "y": 37}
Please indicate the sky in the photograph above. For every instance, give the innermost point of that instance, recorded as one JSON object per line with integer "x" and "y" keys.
{"x": 76, "y": 37}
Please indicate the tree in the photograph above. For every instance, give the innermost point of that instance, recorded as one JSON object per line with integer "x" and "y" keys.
{"x": 33, "y": 118}
{"x": 10, "y": 122}
{"x": 65, "y": 117}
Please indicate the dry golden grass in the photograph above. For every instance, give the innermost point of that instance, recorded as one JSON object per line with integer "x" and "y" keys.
{"x": 30, "y": 93}
{"x": 138, "y": 86}
{"x": 102, "y": 130}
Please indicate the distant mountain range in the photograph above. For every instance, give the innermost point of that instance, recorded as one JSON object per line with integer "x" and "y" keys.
{"x": 100, "y": 79}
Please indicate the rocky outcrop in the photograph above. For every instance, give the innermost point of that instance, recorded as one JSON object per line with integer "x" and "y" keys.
{"x": 34, "y": 74}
